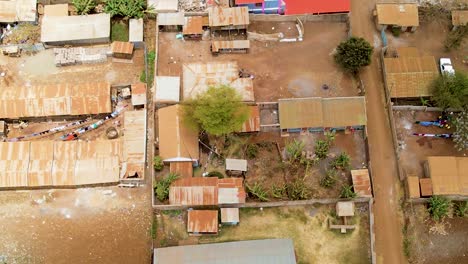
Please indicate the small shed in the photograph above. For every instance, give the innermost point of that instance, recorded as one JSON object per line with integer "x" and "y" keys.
{"x": 236, "y": 166}
{"x": 404, "y": 16}
{"x": 139, "y": 94}
{"x": 56, "y": 10}
{"x": 167, "y": 90}
{"x": 122, "y": 50}
{"x": 193, "y": 27}
{"x": 230, "y": 216}
{"x": 230, "y": 46}
{"x": 202, "y": 222}
{"x": 426, "y": 187}
{"x": 361, "y": 182}
{"x": 136, "y": 31}
{"x": 171, "y": 21}
{"x": 228, "y": 18}
{"x": 413, "y": 186}
{"x": 344, "y": 209}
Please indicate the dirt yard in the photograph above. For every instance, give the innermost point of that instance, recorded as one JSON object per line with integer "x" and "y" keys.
{"x": 414, "y": 149}
{"x": 307, "y": 226}
{"x": 290, "y": 72}
{"x": 430, "y": 243}
{"x": 90, "y": 225}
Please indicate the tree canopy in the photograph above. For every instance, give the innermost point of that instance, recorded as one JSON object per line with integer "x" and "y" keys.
{"x": 353, "y": 54}
{"x": 451, "y": 91}
{"x": 126, "y": 8}
{"x": 218, "y": 111}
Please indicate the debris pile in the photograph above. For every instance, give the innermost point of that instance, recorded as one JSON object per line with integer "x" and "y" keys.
{"x": 73, "y": 56}
{"x": 192, "y": 5}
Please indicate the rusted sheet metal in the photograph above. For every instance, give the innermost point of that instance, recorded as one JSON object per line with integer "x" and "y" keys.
{"x": 403, "y": 15}
{"x": 202, "y": 221}
{"x": 40, "y": 163}
{"x": 121, "y": 47}
{"x": 139, "y": 94}
{"x": 218, "y": 45}
{"x": 14, "y": 162}
{"x": 193, "y": 25}
{"x": 194, "y": 191}
{"x": 253, "y": 123}
{"x": 361, "y": 182}
{"x": 426, "y": 187}
{"x": 55, "y": 100}
{"x": 231, "y": 191}
{"x": 134, "y": 145}
{"x": 182, "y": 168}
{"x": 234, "y": 16}
{"x": 229, "y": 215}
{"x": 449, "y": 175}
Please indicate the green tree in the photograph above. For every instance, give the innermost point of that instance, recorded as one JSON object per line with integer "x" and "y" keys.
{"x": 84, "y": 7}
{"x": 438, "y": 207}
{"x": 353, "y": 54}
{"x": 126, "y": 8}
{"x": 451, "y": 91}
{"x": 460, "y": 136}
{"x": 161, "y": 187}
{"x": 219, "y": 111}
{"x": 158, "y": 163}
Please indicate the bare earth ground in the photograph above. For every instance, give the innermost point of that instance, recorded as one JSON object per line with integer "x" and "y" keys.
{"x": 281, "y": 70}
{"x": 76, "y": 226}
{"x": 433, "y": 247}
{"x": 307, "y": 226}
{"x": 386, "y": 187}
{"x": 414, "y": 150}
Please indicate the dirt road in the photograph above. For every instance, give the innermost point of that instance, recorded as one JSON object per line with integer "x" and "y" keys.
{"x": 385, "y": 179}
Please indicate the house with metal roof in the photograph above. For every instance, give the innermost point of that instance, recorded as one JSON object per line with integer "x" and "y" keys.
{"x": 228, "y": 18}
{"x": 167, "y": 90}
{"x": 134, "y": 144}
{"x": 263, "y": 6}
{"x": 230, "y": 216}
{"x": 449, "y": 175}
{"x": 202, "y": 222}
{"x": 18, "y": 11}
{"x": 401, "y": 15}
{"x": 266, "y": 251}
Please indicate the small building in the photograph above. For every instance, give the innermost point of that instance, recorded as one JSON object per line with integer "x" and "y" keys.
{"x": 122, "y": 50}
{"x": 302, "y": 7}
{"x": 89, "y": 29}
{"x": 271, "y": 251}
{"x": 231, "y": 191}
{"x": 426, "y": 187}
{"x": 230, "y": 216}
{"x": 139, "y": 95}
{"x": 412, "y": 183}
{"x": 408, "y": 74}
{"x": 449, "y": 175}
{"x": 236, "y": 166}
{"x": 164, "y": 6}
{"x": 134, "y": 143}
{"x": 253, "y": 123}
{"x": 361, "y": 182}
{"x": 193, "y": 27}
{"x": 197, "y": 77}
{"x": 56, "y": 10}
{"x": 167, "y": 90}
{"x": 228, "y": 18}
{"x": 404, "y": 16}
{"x": 263, "y": 6}
{"x": 171, "y": 21}
{"x": 135, "y": 34}
{"x": 201, "y": 222}
{"x": 459, "y": 18}
{"x": 177, "y": 140}
{"x": 18, "y": 11}
{"x": 344, "y": 209}
{"x": 231, "y": 46}
{"x": 184, "y": 169}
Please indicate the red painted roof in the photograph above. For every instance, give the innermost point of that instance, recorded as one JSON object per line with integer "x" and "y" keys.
{"x": 240, "y": 2}
{"x": 296, "y": 7}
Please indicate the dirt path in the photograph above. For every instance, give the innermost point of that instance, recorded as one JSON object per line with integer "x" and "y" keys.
{"x": 386, "y": 186}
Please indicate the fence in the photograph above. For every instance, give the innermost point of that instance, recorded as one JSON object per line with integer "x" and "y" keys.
{"x": 340, "y": 18}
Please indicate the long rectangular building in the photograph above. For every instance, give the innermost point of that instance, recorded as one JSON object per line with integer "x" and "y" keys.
{"x": 55, "y": 100}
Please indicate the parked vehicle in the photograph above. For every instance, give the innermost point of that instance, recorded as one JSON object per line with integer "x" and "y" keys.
{"x": 446, "y": 66}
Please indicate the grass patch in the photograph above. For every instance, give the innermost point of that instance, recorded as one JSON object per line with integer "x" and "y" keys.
{"x": 172, "y": 213}
{"x": 154, "y": 228}
{"x": 119, "y": 32}
{"x": 150, "y": 59}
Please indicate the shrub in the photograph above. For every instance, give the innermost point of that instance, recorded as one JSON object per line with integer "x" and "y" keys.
{"x": 252, "y": 151}
{"x": 455, "y": 38}
{"x": 347, "y": 192}
{"x": 297, "y": 190}
{"x": 294, "y": 150}
{"x": 158, "y": 163}
{"x": 438, "y": 207}
{"x": 321, "y": 148}
{"x": 217, "y": 174}
{"x": 343, "y": 161}
{"x": 330, "y": 135}
{"x": 162, "y": 187}
{"x": 278, "y": 191}
{"x": 258, "y": 192}
{"x": 396, "y": 31}
{"x": 126, "y": 8}
{"x": 461, "y": 208}
{"x": 451, "y": 91}
{"x": 84, "y": 7}
{"x": 329, "y": 180}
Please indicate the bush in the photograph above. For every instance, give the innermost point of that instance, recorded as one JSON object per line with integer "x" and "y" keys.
{"x": 461, "y": 208}
{"x": 158, "y": 163}
{"x": 396, "y": 31}
{"x": 162, "y": 187}
{"x": 119, "y": 32}
{"x": 347, "y": 192}
{"x": 451, "y": 91}
{"x": 84, "y": 7}
{"x": 329, "y": 180}
{"x": 438, "y": 207}
{"x": 321, "y": 148}
{"x": 294, "y": 150}
{"x": 330, "y": 135}
{"x": 217, "y": 174}
{"x": 460, "y": 136}
{"x": 126, "y": 8}
{"x": 455, "y": 38}
{"x": 297, "y": 190}
{"x": 258, "y": 192}
{"x": 279, "y": 191}
{"x": 252, "y": 151}
{"x": 353, "y": 54}
{"x": 343, "y": 161}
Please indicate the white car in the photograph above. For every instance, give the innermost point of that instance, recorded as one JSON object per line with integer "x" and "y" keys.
{"x": 446, "y": 66}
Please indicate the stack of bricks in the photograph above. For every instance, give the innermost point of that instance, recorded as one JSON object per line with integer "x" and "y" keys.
{"x": 65, "y": 57}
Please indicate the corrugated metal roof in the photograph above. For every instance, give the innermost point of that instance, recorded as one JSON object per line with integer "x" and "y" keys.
{"x": 134, "y": 142}
{"x": 426, "y": 186}
{"x": 298, "y": 7}
{"x": 236, "y": 164}
{"x": 177, "y": 140}
{"x": 459, "y": 17}
{"x": 449, "y": 175}
{"x": 56, "y": 10}
{"x": 194, "y": 191}
{"x": 234, "y": 16}
{"x": 267, "y": 251}
{"x": 344, "y": 111}
{"x": 171, "y": 19}
{"x": 345, "y": 208}
{"x": 69, "y": 28}
{"x": 300, "y": 112}
{"x": 404, "y": 15}
{"x": 182, "y": 168}
{"x": 413, "y": 186}
{"x": 253, "y": 123}
{"x": 193, "y": 25}
{"x": 55, "y": 100}
{"x": 202, "y": 221}
{"x": 135, "y": 33}
{"x": 121, "y": 47}
{"x": 361, "y": 182}
{"x": 167, "y": 89}
{"x": 41, "y": 158}
{"x": 139, "y": 94}
{"x": 197, "y": 77}
{"x": 217, "y": 45}
{"x": 17, "y": 10}
{"x": 231, "y": 191}
{"x": 229, "y": 215}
